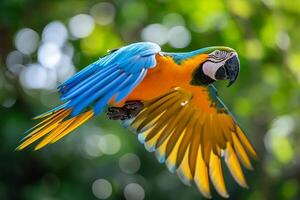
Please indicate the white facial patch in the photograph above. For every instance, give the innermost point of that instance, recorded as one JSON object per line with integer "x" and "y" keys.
{"x": 209, "y": 68}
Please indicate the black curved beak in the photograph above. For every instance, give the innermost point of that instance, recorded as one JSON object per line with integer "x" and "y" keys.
{"x": 232, "y": 67}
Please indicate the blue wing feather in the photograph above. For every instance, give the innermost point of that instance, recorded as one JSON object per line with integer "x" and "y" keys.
{"x": 126, "y": 90}
{"x": 92, "y": 94}
{"x": 85, "y": 84}
{"x": 81, "y": 75}
{"x": 93, "y": 85}
{"x": 100, "y": 93}
{"x": 114, "y": 75}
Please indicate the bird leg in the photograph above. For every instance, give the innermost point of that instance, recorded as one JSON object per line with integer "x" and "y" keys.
{"x": 128, "y": 111}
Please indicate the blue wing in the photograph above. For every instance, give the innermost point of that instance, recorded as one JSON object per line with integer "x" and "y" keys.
{"x": 114, "y": 75}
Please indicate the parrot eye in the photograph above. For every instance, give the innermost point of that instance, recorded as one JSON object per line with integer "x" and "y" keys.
{"x": 220, "y": 54}
{"x": 217, "y": 53}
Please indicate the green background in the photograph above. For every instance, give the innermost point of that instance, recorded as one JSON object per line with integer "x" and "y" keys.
{"x": 265, "y": 99}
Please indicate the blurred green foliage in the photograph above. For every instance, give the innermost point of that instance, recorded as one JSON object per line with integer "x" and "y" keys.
{"x": 265, "y": 98}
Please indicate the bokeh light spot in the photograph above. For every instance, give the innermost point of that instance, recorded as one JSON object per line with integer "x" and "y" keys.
{"x": 179, "y": 37}
{"x": 268, "y": 32}
{"x": 99, "y": 42}
{"x": 254, "y": 49}
{"x": 27, "y": 40}
{"x": 14, "y": 61}
{"x": 283, "y": 40}
{"x": 173, "y": 19}
{"x": 294, "y": 64}
{"x": 65, "y": 68}
{"x": 155, "y": 33}
{"x": 241, "y": 8}
{"x": 129, "y": 163}
{"x": 102, "y": 188}
{"x": 9, "y": 102}
{"x": 276, "y": 139}
{"x": 134, "y": 191}
{"x": 103, "y": 13}
{"x": 55, "y": 32}
{"x": 81, "y": 25}
{"x": 91, "y": 147}
{"x": 110, "y": 144}
{"x": 283, "y": 125}
{"x": 33, "y": 76}
{"x": 49, "y": 55}
{"x": 208, "y": 16}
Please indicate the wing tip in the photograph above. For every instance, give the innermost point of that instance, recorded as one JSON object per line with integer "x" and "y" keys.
{"x": 226, "y": 195}
{"x": 18, "y": 148}
{"x": 206, "y": 194}
{"x": 246, "y": 142}
{"x": 244, "y": 185}
{"x": 39, "y": 146}
{"x": 22, "y": 146}
{"x": 186, "y": 181}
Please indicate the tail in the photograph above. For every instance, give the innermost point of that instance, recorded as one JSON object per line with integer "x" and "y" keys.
{"x": 56, "y": 124}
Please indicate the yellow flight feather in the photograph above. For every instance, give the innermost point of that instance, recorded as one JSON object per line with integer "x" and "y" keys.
{"x": 192, "y": 141}
{"x": 54, "y": 127}
{"x": 216, "y": 175}
{"x": 234, "y": 166}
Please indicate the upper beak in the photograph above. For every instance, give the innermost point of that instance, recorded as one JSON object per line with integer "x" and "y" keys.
{"x": 232, "y": 67}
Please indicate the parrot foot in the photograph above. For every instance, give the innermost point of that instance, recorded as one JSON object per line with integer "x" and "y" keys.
{"x": 116, "y": 113}
{"x": 129, "y": 110}
{"x": 134, "y": 107}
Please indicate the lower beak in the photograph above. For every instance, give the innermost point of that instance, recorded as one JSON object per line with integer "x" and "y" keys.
{"x": 232, "y": 67}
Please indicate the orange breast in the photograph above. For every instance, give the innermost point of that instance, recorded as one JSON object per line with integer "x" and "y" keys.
{"x": 167, "y": 75}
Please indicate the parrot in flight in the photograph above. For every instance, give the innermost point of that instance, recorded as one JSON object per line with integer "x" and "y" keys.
{"x": 168, "y": 100}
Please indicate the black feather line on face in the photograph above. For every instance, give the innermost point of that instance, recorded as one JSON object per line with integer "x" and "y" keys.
{"x": 199, "y": 78}
{"x": 213, "y": 61}
{"x": 216, "y": 58}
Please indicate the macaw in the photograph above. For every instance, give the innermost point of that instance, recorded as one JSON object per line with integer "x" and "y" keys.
{"x": 168, "y": 100}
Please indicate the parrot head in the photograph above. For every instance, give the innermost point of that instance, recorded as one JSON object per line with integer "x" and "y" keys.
{"x": 222, "y": 63}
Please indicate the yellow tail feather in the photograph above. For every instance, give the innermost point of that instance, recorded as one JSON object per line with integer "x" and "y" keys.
{"x": 53, "y": 128}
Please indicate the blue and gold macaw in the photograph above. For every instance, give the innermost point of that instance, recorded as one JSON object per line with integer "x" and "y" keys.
{"x": 168, "y": 100}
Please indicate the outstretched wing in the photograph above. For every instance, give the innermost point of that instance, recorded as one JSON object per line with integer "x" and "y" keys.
{"x": 114, "y": 75}
{"x": 192, "y": 141}
{"x": 88, "y": 92}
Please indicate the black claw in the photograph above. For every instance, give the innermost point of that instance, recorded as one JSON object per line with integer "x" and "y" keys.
{"x": 134, "y": 107}
{"x": 129, "y": 110}
{"x": 116, "y": 113}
